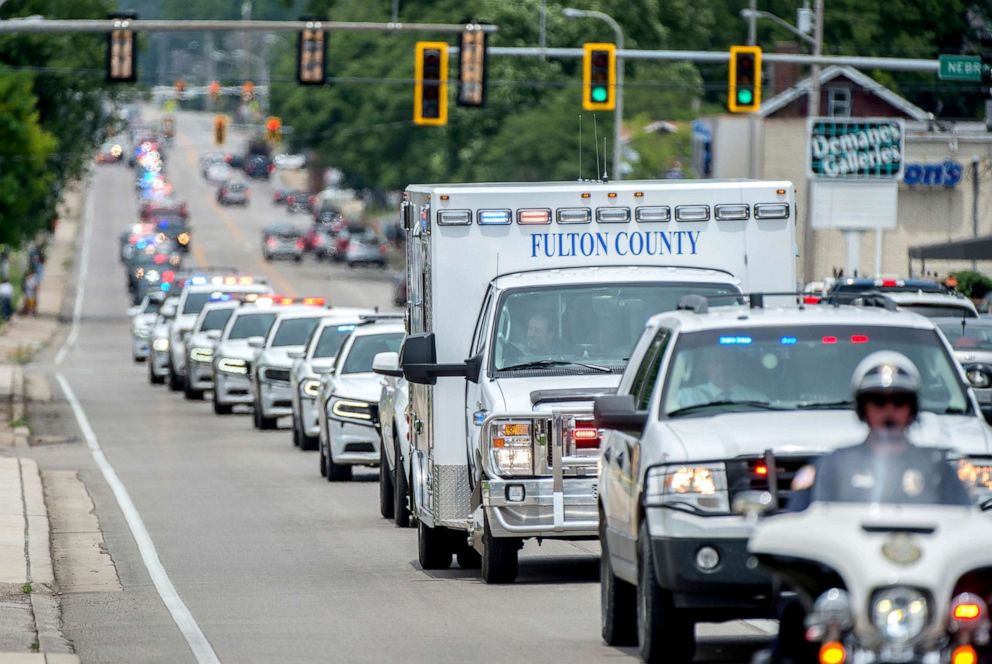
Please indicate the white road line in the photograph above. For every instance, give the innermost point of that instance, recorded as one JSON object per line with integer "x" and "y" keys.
{"x": 84, "y": 266}
{"x": 197, "y": 640}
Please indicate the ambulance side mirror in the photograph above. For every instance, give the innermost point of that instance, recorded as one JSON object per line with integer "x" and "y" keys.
{"x": 418, "y": 360}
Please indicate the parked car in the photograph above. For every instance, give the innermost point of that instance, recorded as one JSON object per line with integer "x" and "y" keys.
{"x": 233, "y": 192}
{"x": 283, "y": 241}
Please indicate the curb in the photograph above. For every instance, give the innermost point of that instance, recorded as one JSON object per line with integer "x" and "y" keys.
{"x": 37, "y": 658}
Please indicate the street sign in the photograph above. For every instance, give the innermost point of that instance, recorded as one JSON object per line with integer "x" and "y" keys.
{"x": 960, "y": 68}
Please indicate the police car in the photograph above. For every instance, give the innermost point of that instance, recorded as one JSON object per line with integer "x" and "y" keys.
{"x": 200, "y": 345}
{"x": 143, "y": 318}
{"x": 729, "y": 399}
{"x": 272, "y": 364}
{"x": 234, "y": 353}
{"x": 158, "y": 341}
{"x": 348, "y": 401}
{"x": 394, "y": 441}
{"x": 304, "y": 376}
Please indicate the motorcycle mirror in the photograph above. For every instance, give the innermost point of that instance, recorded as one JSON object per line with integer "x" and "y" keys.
{"x": 752, "y": 503}
{"x": 985, "y": 505}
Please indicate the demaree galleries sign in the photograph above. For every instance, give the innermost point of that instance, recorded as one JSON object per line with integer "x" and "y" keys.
{"x": 856, "y": 149}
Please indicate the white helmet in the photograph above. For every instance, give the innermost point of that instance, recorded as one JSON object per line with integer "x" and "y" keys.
{"x": 886, "y": 372}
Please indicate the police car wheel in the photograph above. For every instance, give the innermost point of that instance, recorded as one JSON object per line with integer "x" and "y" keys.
{"x": 499, "y": 557}
{"x": 433, "y": 547}
{"x": 336, "y": 472}
{"x": 663, "y": 635}
{"x": 308, "y": 443}
{"x": 175, "y": 383}
{"x": 401, "y": 509}
{"x": 323, "y": 462}
{"x": 261, "y": 421}
{"x": 295, "y": 432}
{"x": 386, "y": 499}
{"x": 220, "y": 408}
{"x": 190, "y": 393}
{"x": 618, "y": 599}
{"x": 152, "y": 378}
{"x": 137, "y": 359}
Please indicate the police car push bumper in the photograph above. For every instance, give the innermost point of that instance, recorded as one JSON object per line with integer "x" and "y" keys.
{"x": 275, "y": 398}
{"x": 232, "y": 388}
{"x": 159, "y": 362}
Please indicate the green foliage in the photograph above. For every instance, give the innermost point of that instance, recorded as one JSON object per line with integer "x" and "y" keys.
{"x": 973, "y": 284}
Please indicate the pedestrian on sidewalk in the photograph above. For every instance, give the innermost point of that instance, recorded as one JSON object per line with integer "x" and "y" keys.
{"x": 30, "y": 288}
{"x": 6, "y": 298}
{"x": 4, "y": 262}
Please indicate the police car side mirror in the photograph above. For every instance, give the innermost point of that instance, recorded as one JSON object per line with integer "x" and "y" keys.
{"x": 387, "y": 364}
{"x": 256, "y": 342}
{"x": 618, "y": 412}
{"x": 213, "y": 335}
{"x": 296, "y": 354}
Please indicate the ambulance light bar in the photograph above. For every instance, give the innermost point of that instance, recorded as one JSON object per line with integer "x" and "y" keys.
{"x": 659, "y": 213}
{"x": 454, "y": 217}
{"x": 771, "y": 211}
{"x": 574, "y": 215}
{"x": 620, "y": 215}
{"x": 692, "y": 213}
{"x": 539, "y": 216}
{"x": 732, "y": 212}
{"x": 495, "y": 217}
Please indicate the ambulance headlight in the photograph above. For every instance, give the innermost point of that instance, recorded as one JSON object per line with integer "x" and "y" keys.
{"x": 697, "y": 488}
{"x": 900, "y": 613}
{"x": 511, "y": 447}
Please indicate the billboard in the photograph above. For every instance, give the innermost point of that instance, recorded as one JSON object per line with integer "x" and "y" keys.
{"x": 855, "y": 149}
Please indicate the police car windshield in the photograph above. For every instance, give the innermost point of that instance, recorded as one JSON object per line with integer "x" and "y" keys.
{"x": 195, "y": 302}
{"x": 216, "y": 319}
{"x": 798, "y": 368}
{"x": 967, "y": 334}
{"x": 252, "y": 325}
{"x": 294, "y": 331}
{"x": 331, "y": 339}
{"x": 366, "y": 347}
{"x": 581, "y": 329}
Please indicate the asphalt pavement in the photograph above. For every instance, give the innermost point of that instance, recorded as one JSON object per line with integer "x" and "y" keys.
{"x": 274, "y": 563}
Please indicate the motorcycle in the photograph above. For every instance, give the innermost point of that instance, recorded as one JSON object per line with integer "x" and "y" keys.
{"x": 894, "y": 580}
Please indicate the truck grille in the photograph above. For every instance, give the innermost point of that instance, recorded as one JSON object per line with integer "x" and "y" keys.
{"x": 754, "y": 474}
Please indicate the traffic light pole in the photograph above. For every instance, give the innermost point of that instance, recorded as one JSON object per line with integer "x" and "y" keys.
{"x": 33, "y": 25}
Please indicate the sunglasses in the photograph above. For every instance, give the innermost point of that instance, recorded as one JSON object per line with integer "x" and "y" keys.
{"x": 896, "y": 400}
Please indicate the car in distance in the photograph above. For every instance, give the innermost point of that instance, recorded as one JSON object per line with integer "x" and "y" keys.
{"x": 233, "y": 192}
{"x": 283, "y": 241}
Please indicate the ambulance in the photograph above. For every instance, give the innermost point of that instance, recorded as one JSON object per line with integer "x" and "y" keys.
{"x": 525, "y": 302}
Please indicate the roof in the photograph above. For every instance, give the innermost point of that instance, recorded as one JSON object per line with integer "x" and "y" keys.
{"x": 921, "y": 297}
{"x": 379, "y": 328}
{"x": 614, "y": 274}
{"x": 302, "y": 311}
{"x": 597, "y": 186}
{"x": 730, "y": 317}
{"x": 802, "y": 88}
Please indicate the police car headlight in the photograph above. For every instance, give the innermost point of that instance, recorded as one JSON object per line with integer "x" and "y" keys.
{"x": 900, "y": 613}
{"x": 511, "y": 448}
{"x": 310, "y": 388}
{"x": 699, "y": 488}
{"x": 183, "y": 238}
{"x": 202, "y": 355}
{"x": 161, "y": 344}
{"x": 351, "y": 410}
{"x": 232, "y": 365}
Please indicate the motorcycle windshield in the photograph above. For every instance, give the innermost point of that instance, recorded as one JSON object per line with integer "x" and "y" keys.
{"x": 891, "y": 474}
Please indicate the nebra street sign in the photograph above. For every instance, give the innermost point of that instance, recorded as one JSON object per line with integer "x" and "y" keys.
{"x": 960, "y": 68}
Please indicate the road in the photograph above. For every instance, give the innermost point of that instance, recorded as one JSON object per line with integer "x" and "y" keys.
{"x": 274, "y": 563}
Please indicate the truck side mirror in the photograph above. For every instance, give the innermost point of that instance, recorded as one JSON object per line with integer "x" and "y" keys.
{"x": 618, "y": 412}
{"x": 387, "y": 364}
{"x": 418, "y": 359}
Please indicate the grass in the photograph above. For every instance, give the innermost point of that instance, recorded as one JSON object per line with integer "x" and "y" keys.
{"x": 18, "y": 422}
{"x": 22, "y": 354}
{"x": 26, "y": 588}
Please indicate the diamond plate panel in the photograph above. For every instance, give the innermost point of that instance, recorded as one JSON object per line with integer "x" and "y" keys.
{"x": 452, "y": 496}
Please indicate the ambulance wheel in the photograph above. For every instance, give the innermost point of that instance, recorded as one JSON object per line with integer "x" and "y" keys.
{"x": 401, "y": 488}
{"x": 499, "y": 557}
{"x": 663, "y": 635}
{"x": 618, "y": 599}
{"x": 386, "y": 499}
{"x": 433, "y": 547}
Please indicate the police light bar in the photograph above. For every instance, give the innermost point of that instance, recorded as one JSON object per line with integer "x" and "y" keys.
{"x": 534, "y": 216}
{"x": 286, "y": 299}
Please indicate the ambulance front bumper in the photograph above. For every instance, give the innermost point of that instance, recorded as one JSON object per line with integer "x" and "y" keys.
{"x": 532, "y": 508}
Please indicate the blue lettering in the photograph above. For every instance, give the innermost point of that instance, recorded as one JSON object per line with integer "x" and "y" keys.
{"x": 571, "y": 237}
{"x": 693, "y": 237}
{"x": 584, "y": 247}
{"x": 932, "y": 174}
{"x": 617, "y": 243}
{"x": 638, "y": 247}
{"x": 533, "y": 244}
{"x": 665, "y": 240}
{"x": 550, "y": 240}
{"x": 561, "y": 247}
{"x": 913, "y": 175}
{"x": 650, "y": 251}
{"x": 601, "y": 239}
{"x": 952, "y": 173}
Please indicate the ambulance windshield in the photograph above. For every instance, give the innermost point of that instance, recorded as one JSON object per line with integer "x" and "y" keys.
{"x": 581, "y": 329}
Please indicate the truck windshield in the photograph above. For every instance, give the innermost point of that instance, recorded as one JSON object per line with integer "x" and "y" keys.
{"x": 582, "y": 329}
{"x": 251, "y": 325}
{"x": 968, "y": 333}
{"x": 798, "y": 368}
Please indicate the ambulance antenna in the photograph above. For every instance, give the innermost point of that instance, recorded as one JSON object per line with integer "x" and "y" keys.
{"x": 606, "y": 176}
{"x": 580, "y": 147}
{"x": 595, "y": 134}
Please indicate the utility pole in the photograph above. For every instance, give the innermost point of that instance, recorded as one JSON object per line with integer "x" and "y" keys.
{"x": 812, "y": 110}
{"x": 754, "y": 161}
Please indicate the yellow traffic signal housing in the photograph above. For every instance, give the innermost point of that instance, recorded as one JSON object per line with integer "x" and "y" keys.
{"x": 430, "y": 90}
{"x": 220, "y": 129}
{"x": 472, "y": 69}
{"x": 744, "y": 90}
{"x": 273, "y": 129}
{"x": 122, "y": 52}
{"x": 599, "y": 77}
{"x": 311, "y": 56}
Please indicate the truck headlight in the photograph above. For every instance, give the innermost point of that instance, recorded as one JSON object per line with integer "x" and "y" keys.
{"x": 899, "y": 613}
{"x": 232, "y": 365}
{"x": 351, "y": 410}
{"x": 311, "y": 388}
{"x": 700, "y": 487}
{"x": 161, "y": 344}
{"x": 511, "y": 448}
{"x": 205, "y": 355}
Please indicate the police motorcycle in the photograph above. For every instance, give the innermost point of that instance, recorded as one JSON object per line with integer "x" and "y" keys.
{"x": 904, "y": 576}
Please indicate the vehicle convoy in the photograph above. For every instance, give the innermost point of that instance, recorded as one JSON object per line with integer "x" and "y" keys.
{"x": 900, "y": 576}
{"x": 971, "y": 339}
{"x": 233, "y": 354}
{"x": 270, "y": 370}
{"x": 199, "y": 345}
{"x": 304, "y": 376}
{"x": 348, "y": 399}
{"x": 716, "y": 401}
{"x": 545, "y": 288}
{"x": 143, "y": 317}
{"x": 158, "y": 356}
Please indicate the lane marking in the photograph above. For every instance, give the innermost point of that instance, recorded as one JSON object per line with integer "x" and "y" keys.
{"x": 194, "y": 636}
{"x": 84, "y": 266}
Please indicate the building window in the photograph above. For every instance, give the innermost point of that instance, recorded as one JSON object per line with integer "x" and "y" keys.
{"x": 839, "y": 102}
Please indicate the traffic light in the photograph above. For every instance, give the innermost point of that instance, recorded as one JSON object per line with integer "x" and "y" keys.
{"x": 430, "y": 91}
{"x": 180, "y": 86}
{"x": 599, "y": 77}
{"x": 745, "y": 79}
{"x": 220, "y": 129}
{"x": 273, "y": 129}
{"x": 215, "y": 90}
{"x": 311, "y": 56}
{"x": 247, "y": 91}
{"x": 122, "y": 54}
{"x": 472, "y": 68}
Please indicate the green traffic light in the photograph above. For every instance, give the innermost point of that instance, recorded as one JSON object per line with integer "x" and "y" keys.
{"x": 599, "y": 95}
{"x": 745, "y": 97}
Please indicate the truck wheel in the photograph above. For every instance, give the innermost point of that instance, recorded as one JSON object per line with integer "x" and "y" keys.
{"x": 499, "y": 557}
{"x": 663, "y": 634}
{"x": 433, "y": 547}
{"x": 386, "y": 499}
{"x": 336, "y": 472}
{"x": 221, "y": 408}
{"x": 401, "y": 489}
{"x": 618, "y": 599}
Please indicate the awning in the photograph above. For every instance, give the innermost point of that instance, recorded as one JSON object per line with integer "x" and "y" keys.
{"x": 979, "y": 249}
